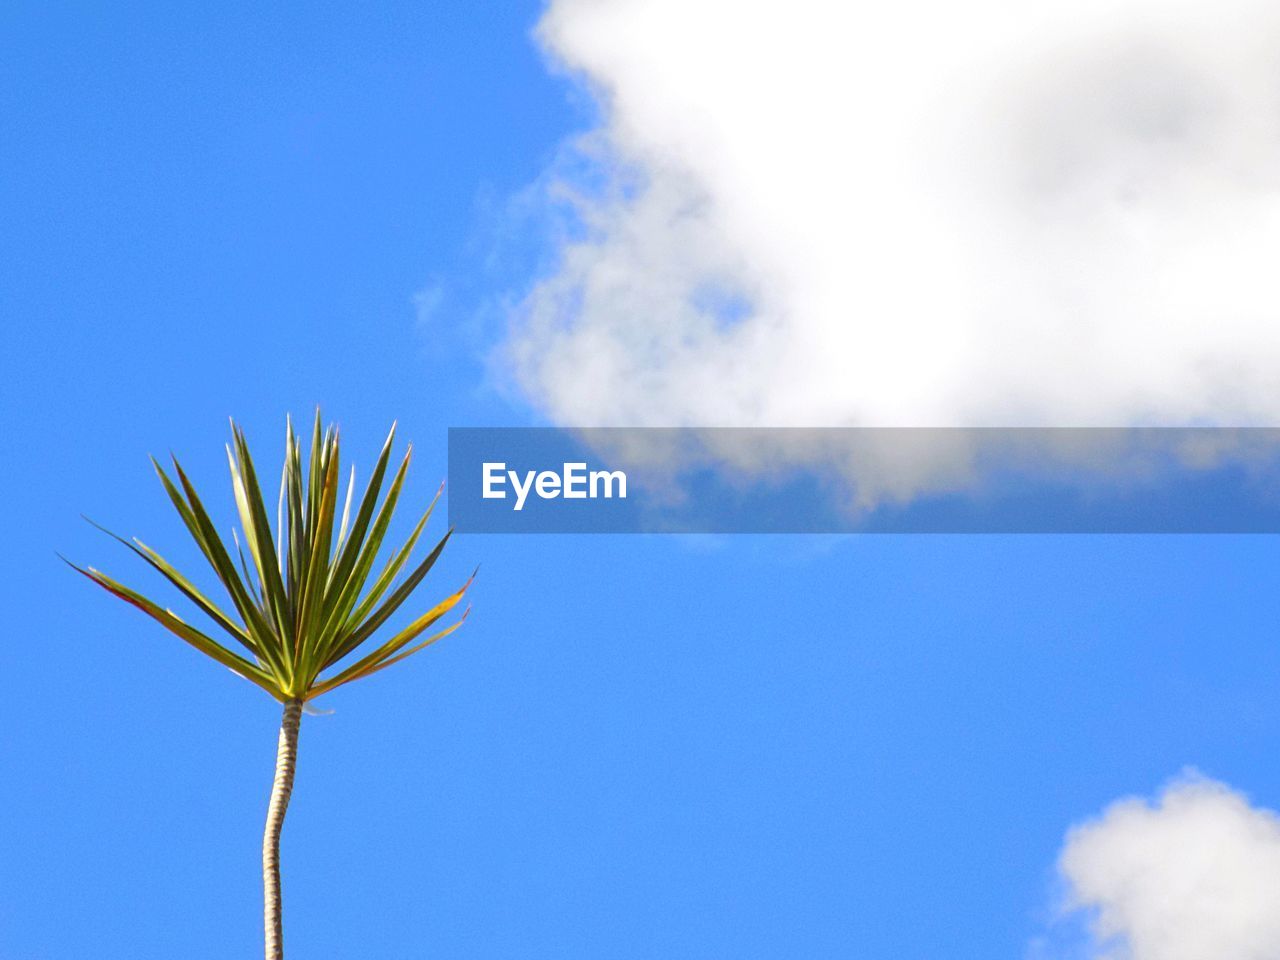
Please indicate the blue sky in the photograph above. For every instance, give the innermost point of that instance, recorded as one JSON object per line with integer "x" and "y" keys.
{"x": 638, "y": 746}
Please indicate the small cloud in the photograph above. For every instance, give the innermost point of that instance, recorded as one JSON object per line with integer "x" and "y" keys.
{"x": 426, "y": 304}
{"x": 1192, "y": 875}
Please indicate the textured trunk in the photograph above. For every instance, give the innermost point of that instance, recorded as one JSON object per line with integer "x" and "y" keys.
{"x": 286, "y": 757}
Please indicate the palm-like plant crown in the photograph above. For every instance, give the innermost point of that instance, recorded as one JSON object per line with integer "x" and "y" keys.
{"x": 309, "y": 602}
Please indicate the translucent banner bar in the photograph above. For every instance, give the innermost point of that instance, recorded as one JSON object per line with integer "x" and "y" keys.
{"x": 864, "y": 480}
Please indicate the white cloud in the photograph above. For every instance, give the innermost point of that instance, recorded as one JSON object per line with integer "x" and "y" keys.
{"x": 999, "y": 212}
{"x": 1193, "y": 876}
